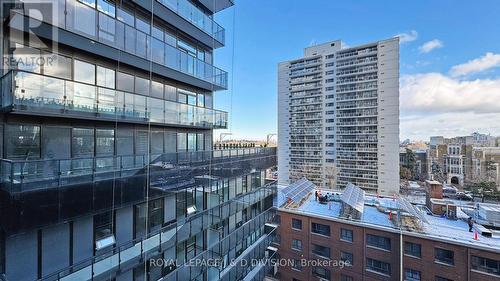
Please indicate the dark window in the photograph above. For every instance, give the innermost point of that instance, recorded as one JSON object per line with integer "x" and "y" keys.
{"x": 321, "y": 229}
{"x": 154, "y": 220}
{"x": 321, "y": 250}
{"x": 412, "y": 249}
{"x": 296, "y": 224}
{"x": 105, "y": 142}
{"x": 444, "y": 256}
{"x": 22, "y": 141}
{"x": 412, "y": 275}
{"x": 378, "y": 241}
{"x": 103, "y": 225}
{"x": 378, "y": 266}
{"x": 346, "y": 257}
{"x": 297, "y": 244}
{"x": 486, "y": 265}
{"x": 346, "y": 234}
{"x": 321, "y": 272}
{"x": 296, "y": 265}
{"x": 83, "y": 142}
{"x": 439, "y": 278}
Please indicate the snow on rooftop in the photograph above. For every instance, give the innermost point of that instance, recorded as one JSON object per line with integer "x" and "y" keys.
{"x": 455, "y": 231}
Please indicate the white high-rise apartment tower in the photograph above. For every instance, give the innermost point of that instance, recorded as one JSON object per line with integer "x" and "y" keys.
{"x": 338, "y": 116}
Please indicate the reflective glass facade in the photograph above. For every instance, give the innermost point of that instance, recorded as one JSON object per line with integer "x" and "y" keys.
{"x": 107, "y": 168}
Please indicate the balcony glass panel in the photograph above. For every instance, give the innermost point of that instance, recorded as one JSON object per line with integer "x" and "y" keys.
{"x": 34, "y": 92}
{"x": 120, "y": 33}
{"x": 195, "y": 16}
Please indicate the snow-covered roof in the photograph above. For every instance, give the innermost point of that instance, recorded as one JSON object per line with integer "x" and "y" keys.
{"x": 433, "y": 227}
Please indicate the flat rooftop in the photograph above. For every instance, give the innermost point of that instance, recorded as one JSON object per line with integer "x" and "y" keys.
{"x": 376, "y": 215}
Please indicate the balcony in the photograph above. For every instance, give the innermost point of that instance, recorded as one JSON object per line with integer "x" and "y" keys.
{"x": 194, "y": 15}
{"x": 89, "y": 185}
{"x": 31, "y": 93}
{"x": 114, "y": 33}
{"x": 132, "y": 253}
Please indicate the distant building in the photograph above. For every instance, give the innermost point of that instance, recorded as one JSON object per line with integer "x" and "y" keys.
{"x": 338, "y": 116}
{"x": 466, "y": 159}
{"x": 450, "y": 159}
{"x": 418, "y": 167}
{"x": 486, "y": 165}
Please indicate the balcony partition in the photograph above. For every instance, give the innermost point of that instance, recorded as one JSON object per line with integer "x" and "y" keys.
{"x": 35, "y": 93}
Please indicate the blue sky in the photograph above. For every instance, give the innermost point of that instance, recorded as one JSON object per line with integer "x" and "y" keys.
{"x": 448, "y": 87}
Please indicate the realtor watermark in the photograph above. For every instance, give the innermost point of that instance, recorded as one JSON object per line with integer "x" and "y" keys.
{"x": 159, "y": 262}
{"x": 32, "y": 27}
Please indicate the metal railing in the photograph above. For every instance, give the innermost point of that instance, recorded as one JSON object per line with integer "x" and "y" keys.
{"x": 135, "y": 251}
{"x": 28, "y": 91}
{"x": 113, "y": 32}
{"x": 29, "y": 175}
{"x": 195, "y": 16}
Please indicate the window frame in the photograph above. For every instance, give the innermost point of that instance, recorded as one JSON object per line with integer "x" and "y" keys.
{"x": 409, "y": 247}
{"x": 442, "y": 260}
{"x": 342, "y": 237}
{"x": 315, "y": 230}
{"x": 295, "y": 220}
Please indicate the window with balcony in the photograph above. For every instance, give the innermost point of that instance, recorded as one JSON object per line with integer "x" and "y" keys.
{"x": 105, "y": 142}
{"x": 82, "y": 143}
{"x": 59, "y": 66}
{"x": 378, "y": 242}
{"x": 444, "y": 256}
{"x": 22, "y": 141}
{"x": 148, "y": 218}
{"x": 105, "y": 77}
{"x": 84, "y": 72}
{"x": 104, "y": 230}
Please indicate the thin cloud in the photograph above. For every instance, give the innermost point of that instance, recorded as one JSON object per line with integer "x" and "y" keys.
{"x": 407, "y": 36}
{"x": 431, "y": 45}
{"x": 486, "y": 62}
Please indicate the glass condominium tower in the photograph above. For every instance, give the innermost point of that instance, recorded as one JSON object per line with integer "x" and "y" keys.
{"x": 338, "y": 116}
{"x": 107, "y": 168}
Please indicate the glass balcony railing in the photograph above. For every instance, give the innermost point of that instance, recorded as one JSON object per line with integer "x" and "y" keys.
{"x": 195, "y": 16}
{"x": 90, "y": 23}
{"x": 29, "y": 175}
{"x": 167, "y": 237}
{"x": 26, "y": 91}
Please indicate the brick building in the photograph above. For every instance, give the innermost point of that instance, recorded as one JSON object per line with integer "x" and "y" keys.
{"x": 379, "y": 248}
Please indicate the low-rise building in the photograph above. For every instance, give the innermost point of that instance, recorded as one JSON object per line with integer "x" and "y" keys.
{"x": 391, "y": 239}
